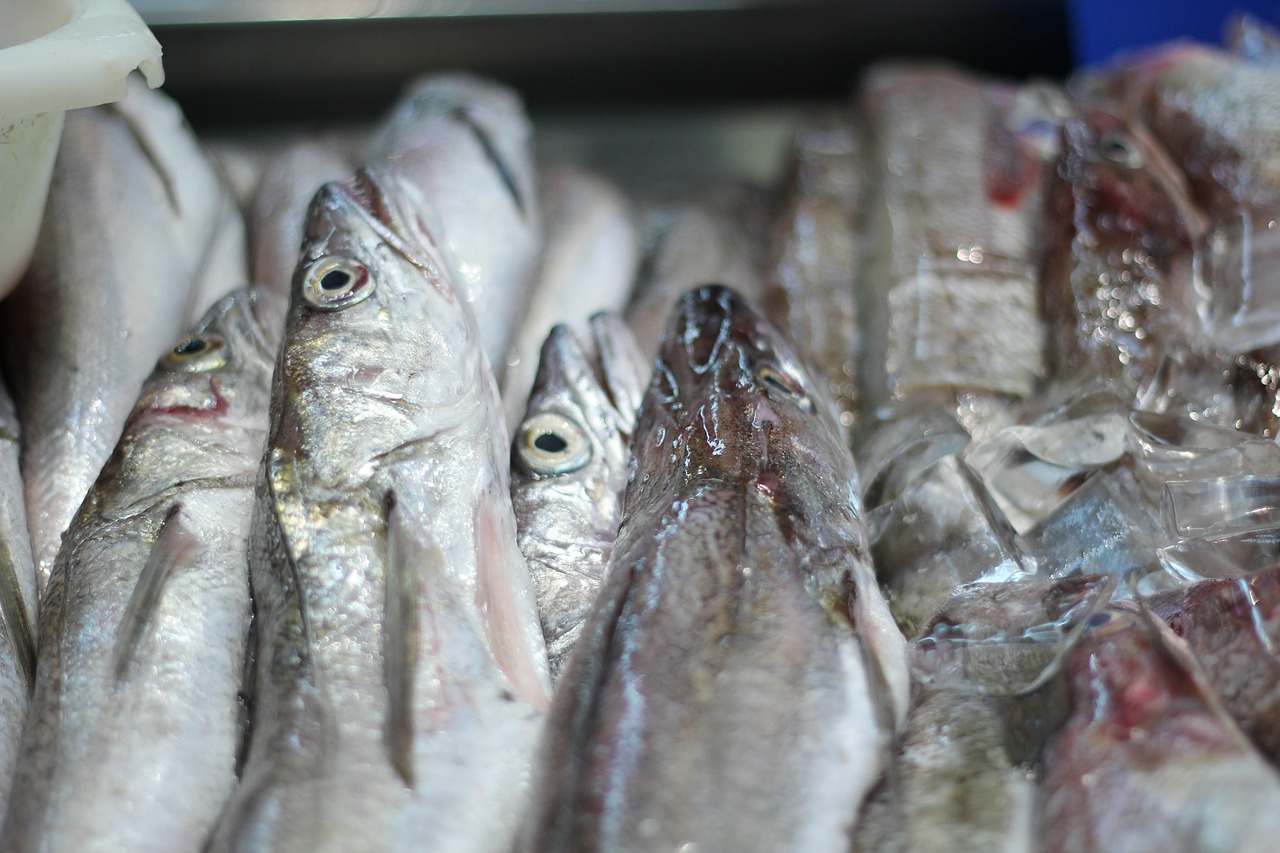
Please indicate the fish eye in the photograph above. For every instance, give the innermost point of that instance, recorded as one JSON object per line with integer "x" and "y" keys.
{"x": 333, "y": 283}
{"x": 549, "y": 443}
{"x": 197, "y": 354}
{"x": 1119, "y": 149}
{"x": 1097, "y": 620}
{"x": 779, "y": 381}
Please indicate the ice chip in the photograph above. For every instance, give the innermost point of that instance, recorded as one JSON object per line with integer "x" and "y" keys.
{"x": 1166, "y": 448}
{"x": 1220, "y": 504}
{"x": 1222, "y": 555}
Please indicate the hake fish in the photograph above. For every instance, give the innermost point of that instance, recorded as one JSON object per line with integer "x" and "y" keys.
{"x": 569, "y": 468}
{"x": 463, "y": 146}
{"x": 740, "y": 651}
{"x": 132, "y": 736}
{"x": 402, "y": 674}
{"x": 139, "y": 238}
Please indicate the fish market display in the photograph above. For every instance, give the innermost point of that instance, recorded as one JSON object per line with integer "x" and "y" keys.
{"x": 145, "y": 620}
{"x": 401, "y": 670}
{"x": 569, "y": 467}
{"x": 463, "y": 147}
{"x": 926, "y": 499}
{"x": 139, "y": 238}
{"x": 588, "y": 264}
{"x": 740, "y": 651}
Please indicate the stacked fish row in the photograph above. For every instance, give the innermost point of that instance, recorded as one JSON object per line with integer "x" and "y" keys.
{"x": 370, "y": 509}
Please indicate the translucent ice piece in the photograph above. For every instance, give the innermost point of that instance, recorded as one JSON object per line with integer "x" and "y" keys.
{"x": 1105, "y": 527}
{"x": 1220, "y": 504}
{"x": 1030, "y": 470}
{"x": 1216, "y": 387}
{"x": 892, "y": 451}
{"x": 941, "y": 531}
{"x": 1244, "y": 299}
{"x": 1165, "y": 448}
{"x": 1222, "y": 555}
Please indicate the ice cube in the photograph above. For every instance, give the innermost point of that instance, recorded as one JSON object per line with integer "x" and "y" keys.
{"x": 1166, "y": 448}
{"x": 1222, "y": 555}
{"x": 1220, "y": 504}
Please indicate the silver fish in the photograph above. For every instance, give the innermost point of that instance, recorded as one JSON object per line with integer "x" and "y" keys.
{"x": 715, "y": 238}
{"x": 132, "y": 736}
{"x": 137, "y": 237}
{"x": 814, "y": 254}
{"x": 740, "y": 650}
{"x": 588, "y": 265}
{"x": 17, "y": 599}
{"x": 569, "y": 467}
{"x": 401, "y": 668}
{"x": 464, "y": 146}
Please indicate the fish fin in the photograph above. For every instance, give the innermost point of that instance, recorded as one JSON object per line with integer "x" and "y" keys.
{"x": 247, "y": 695}
{"x": 401, "y": 628}
{"x": 17, "y": 620}
{"x": 174, "y": 543}
{"x": 494, "y": 157}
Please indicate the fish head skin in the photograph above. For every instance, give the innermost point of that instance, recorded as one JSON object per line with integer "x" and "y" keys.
{"x": 1129, "y": 186}
{"x": 621, "y": 365}
{"x": 378, "y": 348}
{"x": 730, "y": 401}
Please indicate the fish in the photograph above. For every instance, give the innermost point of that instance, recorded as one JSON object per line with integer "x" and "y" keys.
{"x": 1147, "y": 759}
{"x": 958, "y": 166}
{"x": 1121, "y": 265}
{"x": 1230, "y": 625}
{"x": 739, "y": 650}
{"x": 463, "y": 146}
{"x": 144, "y": 625}
{"x": 714, "y": 237}
{"x": 401, "y": 672}
{"x": 102, "y": 300}
{"x": 17, "y": 598}
{"x": 569, "y": 466}
{"x": 814, "y": 252}
{"x": 589, "y": 261}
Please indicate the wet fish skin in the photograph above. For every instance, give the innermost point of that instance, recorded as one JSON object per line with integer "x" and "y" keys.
{"x": 568, "y": 500}
{"x": 17, "y": 598}
{"x": 738, "y": 601}
{"x": 463, "y": 144}
{"x": 1230, "y": 626}
{"x": 135, "y": 162}
{"x": 1120, "y": 270}
{"x": 589, "y": 259}
{"x": 1147, "y": 758}
{"x": 144, "y": 624}
{"x": 401, "y": 671}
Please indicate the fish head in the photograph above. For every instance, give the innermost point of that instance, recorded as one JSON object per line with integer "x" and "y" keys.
{"x": 730, "y": 401}
{"x": 1125, "y": 184}
{"x": 378, "y": 346}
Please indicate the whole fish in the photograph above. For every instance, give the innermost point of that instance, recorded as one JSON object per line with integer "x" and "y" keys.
{"x": 132, "y": 736}
{"x": 1147, "y": 759}
{"x": 137, "y": 237}
{"x": 740, "y": 651}
{"x": 588, "y": 265}
{"x": 1119, "y": 273}
{"x": 814, "y": 253}
{"x": 464, "y": 147}
{"x": 715, "y": 237}
{"x": 958, "y": 167}
{"x": 569, "y": 467}
{"x": 17, "y": 599}
{"x": 401, "y": 668}
{"x": 1232, "y": 626}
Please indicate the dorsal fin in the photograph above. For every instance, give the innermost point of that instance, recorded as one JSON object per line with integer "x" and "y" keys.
{"x": 174, "y": 543}
{"x": 492, "y": 154}
{"x": 16, "y": 618}
{"x": 400, "y": 640}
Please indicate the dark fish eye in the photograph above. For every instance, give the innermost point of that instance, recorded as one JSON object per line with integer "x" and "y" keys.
{"x": 1097, "y": 620}
{"x": 779, "y": 381}
{"x": 333, "y": 283}
{"x": 549, "y": 443}
{"x": 1118, "y": 148}
{"x": 197, "y": 354}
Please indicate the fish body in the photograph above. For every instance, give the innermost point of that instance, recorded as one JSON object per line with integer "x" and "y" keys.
{"x": 588, "y": 265}
{"x": 132, "y": 736}
{"x": 401, "y": 668}
{"x": 569, "y": 468}
{"x": 739, "y": 651}
{"x": 463, "y": 147}
{"x": 17, "y": 598}
{"x": 139, "y": 235}
{"x": 814, "y": 253}
{"x": 1147, "y": 759}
